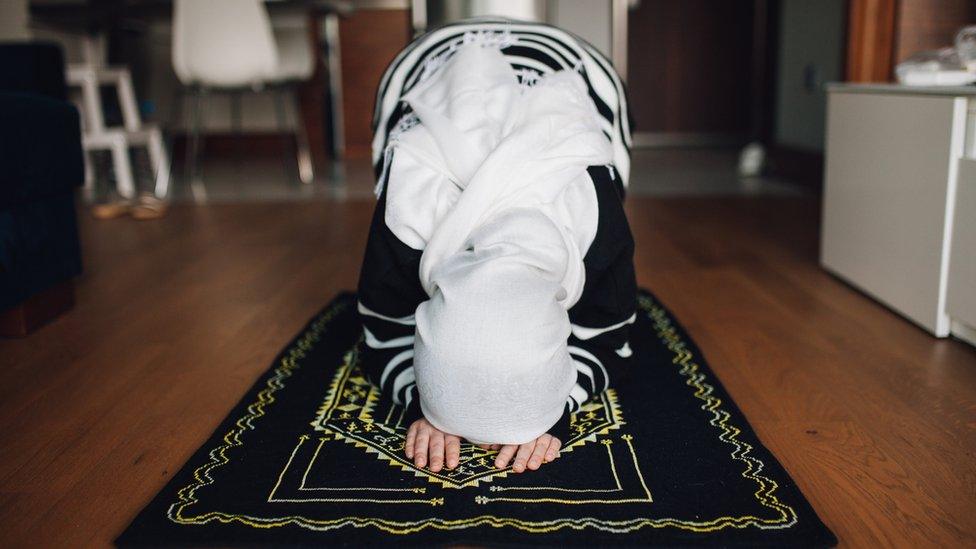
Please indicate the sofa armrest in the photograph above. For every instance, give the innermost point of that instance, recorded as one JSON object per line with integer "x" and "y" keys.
{"x": 40, "y": 148}
{"x": 32, "y": 67}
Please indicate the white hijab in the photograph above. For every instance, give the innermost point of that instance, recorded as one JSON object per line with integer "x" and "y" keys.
{"x": 503, "y": 265}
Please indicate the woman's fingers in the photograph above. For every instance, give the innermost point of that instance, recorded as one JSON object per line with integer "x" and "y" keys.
{"x": 452, "y": 451}
{"x": 522, "y": 457}
{"x": 505, "y": 456}
{"x": 420, "y": 446}
{"x": 436, "y": 450}
{"x": 539, "y": 452}
{"x": 426, "y": 444}
{"x": 411, "y": 436}
{"x": 553, "y": 451}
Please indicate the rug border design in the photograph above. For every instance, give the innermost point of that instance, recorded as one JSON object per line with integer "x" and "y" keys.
{"x": 664, "y": 329}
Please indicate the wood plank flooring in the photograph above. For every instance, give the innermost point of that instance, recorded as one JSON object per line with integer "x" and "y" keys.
{"x": 175, "y": 319}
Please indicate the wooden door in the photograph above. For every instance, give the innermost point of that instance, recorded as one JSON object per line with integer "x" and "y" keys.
{"x": 368, "y": 40}
{"x": 689, "y": 66}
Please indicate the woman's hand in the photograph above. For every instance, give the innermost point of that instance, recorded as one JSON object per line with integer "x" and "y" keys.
{"x": 529, "y": 455}
{"x": 427, "y": 443}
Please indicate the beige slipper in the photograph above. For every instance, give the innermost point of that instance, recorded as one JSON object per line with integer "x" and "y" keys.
{"x": 148, "y": 207}
{"x": 110, "y": 210}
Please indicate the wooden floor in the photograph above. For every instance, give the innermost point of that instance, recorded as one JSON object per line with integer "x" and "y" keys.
{"x": 175, "y": 319}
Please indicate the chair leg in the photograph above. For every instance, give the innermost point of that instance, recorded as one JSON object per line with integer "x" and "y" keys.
{"x": 237, "y": 126}
{"x": 160, "y": 162}
{"x": 175, "y": 121}
{"x": 123, "y": 168}
{"x": 193, "y": 143}
{"x": 127, "y": 100}
{"x": 279, "y": 98}
{"x": 306, "y": 169}
{"x": 93, "y": 117}
{"x": 89, "y": 187}
{"x": 334, "y": 71}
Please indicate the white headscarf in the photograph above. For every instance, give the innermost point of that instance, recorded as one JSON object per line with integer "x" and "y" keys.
{"x": 502, "y": 267}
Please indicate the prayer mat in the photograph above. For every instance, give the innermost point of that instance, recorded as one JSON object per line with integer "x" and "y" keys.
{"x": 313, "y": 455}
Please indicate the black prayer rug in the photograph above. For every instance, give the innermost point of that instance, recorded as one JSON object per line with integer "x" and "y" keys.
{"x": 312, "y": 455}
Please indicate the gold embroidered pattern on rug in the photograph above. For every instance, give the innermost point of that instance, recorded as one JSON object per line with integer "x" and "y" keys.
{"x": 354, "y": 413}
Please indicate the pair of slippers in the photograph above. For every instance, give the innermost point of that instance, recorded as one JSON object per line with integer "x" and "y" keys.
{"x": 145, "y": 207}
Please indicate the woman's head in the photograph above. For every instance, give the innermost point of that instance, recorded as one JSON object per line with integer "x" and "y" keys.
{"x": 490, "y": 353}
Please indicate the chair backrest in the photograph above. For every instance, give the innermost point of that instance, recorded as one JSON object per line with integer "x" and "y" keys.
{"x": 296, "y": 57}
{"x": 223, "y": 43}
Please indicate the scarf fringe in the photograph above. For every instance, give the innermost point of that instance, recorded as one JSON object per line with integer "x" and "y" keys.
{"x": 502, "y": 39}
{"x": 405, "y": 124}
{"x": 485, "y": 38}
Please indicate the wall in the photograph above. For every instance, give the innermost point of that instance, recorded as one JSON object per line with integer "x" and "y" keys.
{"x": 590, "y": 19}
{"x": 930, "y": 24}
{"x": 13, "y": 20}
{"x": 440, "y": 12}
{"x": 811, "y": 50}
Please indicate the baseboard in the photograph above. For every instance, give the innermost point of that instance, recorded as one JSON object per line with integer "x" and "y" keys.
{"x": 37, "y": 310}
{"x": 964, "y": 333}
{"x": 661, "y": 140}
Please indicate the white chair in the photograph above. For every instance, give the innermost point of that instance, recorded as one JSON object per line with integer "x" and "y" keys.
{"x": 231, "y": 46}
{"x": 89, "y": 77}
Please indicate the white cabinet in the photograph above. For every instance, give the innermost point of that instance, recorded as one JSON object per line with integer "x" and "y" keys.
{"x": 895, "y": 160}
{"x": 961, "y": 299}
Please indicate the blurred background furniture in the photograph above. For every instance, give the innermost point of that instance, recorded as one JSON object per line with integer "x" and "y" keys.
{"x": 41, "y": 164}
{"x": 900, "y": 177}
{"x": 90, "y": 77}
{"x": 231, "y": 46}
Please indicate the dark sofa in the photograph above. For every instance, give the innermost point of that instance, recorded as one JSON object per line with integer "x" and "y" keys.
{"x": 41, "y": 164}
